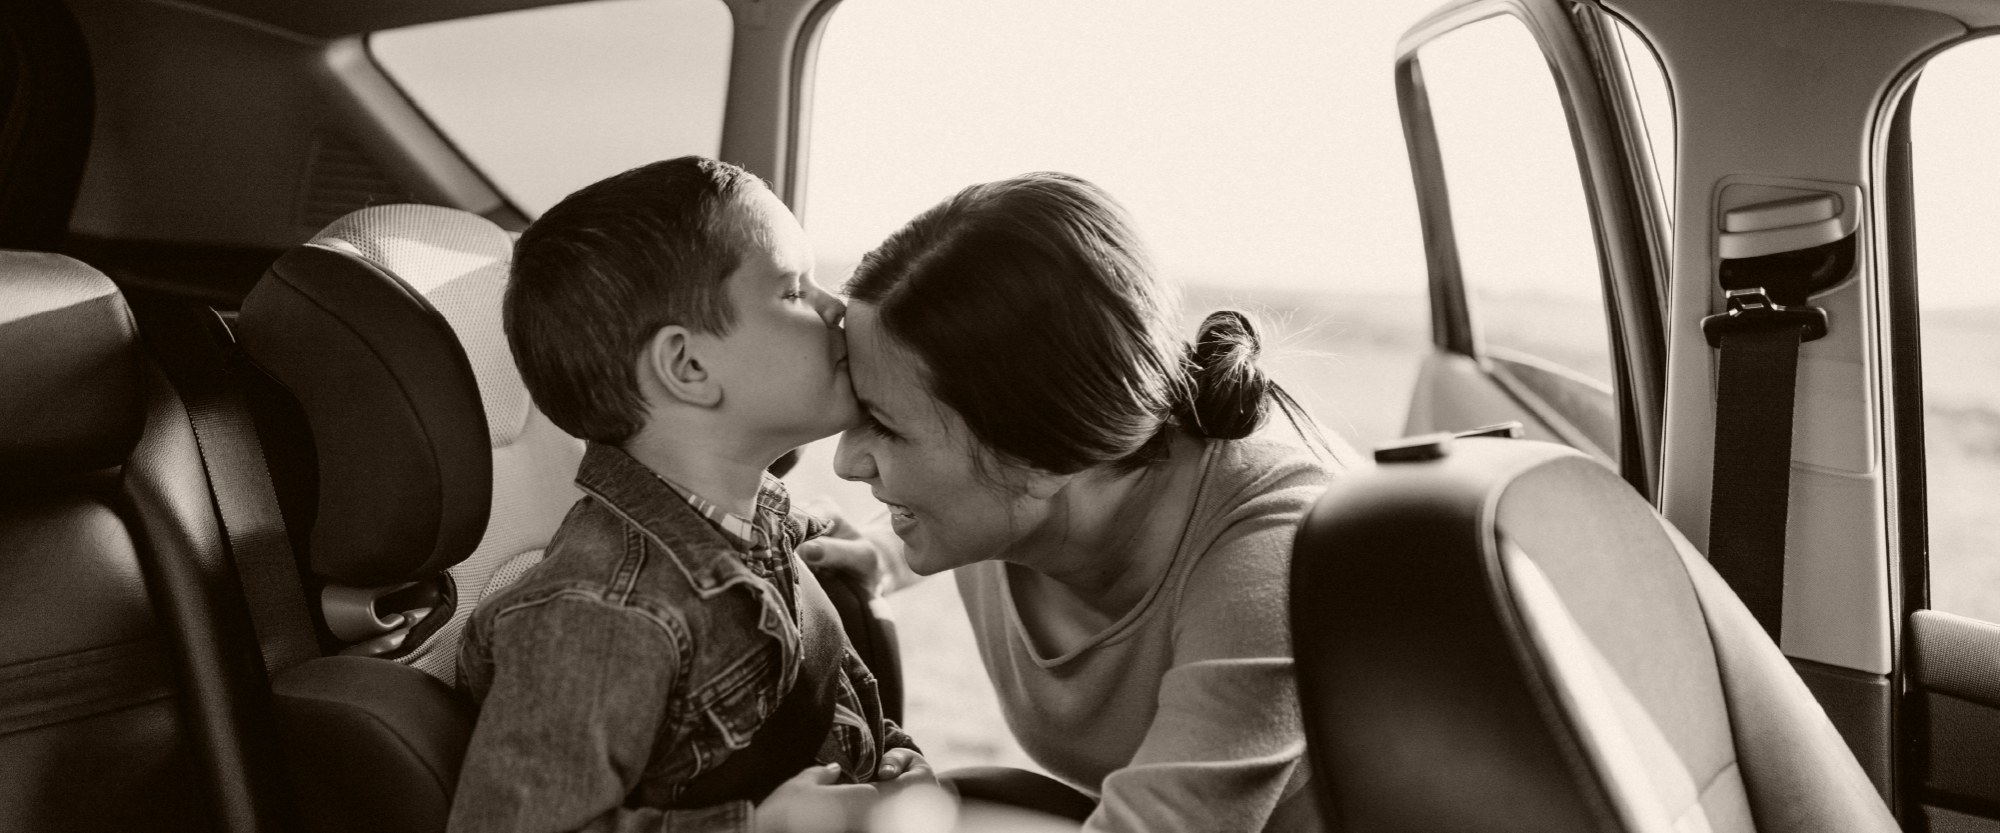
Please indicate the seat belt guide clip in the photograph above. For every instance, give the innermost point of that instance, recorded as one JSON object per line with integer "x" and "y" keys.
{"x": 1753, "y": 309}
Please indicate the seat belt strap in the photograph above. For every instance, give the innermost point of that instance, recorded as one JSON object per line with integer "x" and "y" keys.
{"x": 1750, "y": 490}
{"x": 188, "y": 341}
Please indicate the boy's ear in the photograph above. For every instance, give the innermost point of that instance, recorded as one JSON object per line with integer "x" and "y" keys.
{"x": 672, "y": 360}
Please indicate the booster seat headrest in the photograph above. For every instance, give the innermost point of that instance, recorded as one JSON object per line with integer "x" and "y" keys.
{"x": 361, "y": 325}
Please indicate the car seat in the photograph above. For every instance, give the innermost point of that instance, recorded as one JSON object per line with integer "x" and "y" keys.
{"x": 130, "y": 681}
{"x": 417, "y": 477}
{"x": 434, "y": 480}
{"x": 1502, "y": 635}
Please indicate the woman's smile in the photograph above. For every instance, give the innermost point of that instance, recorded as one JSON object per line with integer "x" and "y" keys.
{"x": 901, "y": 519}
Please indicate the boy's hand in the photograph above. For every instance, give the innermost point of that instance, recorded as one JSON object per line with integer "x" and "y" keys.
{"x": 902, "y": 767}
{"x": 812, "y": 803}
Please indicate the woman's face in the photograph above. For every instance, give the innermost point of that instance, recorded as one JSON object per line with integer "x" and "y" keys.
{"x": 919, "y": 457}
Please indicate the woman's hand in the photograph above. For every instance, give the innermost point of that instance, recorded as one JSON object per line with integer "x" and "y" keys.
{"x": 811, "y": 803}
{"x": 902, "y": 767}
{"x": 873, "y": 556}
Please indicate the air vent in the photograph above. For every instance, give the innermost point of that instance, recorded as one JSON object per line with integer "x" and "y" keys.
{"x": 341, "y": 179}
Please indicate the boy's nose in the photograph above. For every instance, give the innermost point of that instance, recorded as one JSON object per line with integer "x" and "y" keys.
{"x": 831, "y": 309}
{"x": 850, "y": 460}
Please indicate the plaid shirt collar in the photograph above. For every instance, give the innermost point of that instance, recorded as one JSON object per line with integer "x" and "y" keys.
{"x": 752, "y": 537}
{"x": 744, "y": 534}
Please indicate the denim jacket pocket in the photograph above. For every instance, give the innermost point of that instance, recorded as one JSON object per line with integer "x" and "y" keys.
{"x": 730, "y": 707}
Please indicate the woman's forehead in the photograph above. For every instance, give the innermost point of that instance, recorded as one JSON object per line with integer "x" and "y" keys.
{"x": 887, "y": 377}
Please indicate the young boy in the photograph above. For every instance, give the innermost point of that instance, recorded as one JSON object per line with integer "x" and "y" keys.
{"x": 669, "y": 665}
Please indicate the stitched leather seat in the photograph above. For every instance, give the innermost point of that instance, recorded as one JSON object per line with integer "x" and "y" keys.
{"x": 1509, "y": 638}
{"x": 128, "y": 672}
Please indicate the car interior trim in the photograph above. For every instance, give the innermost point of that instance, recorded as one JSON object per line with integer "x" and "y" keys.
{"x": 410, "y": 148}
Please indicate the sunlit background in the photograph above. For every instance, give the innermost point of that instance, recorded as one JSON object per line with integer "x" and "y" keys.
{"x": 1258, "y": 146}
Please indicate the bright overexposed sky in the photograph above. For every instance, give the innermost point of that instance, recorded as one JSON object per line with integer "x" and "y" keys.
{"x": 1257, "y": 142}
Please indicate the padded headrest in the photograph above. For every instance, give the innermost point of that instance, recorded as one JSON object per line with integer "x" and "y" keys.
{"x": 458, "y": 261}
{"x": 361, "y": 326}
{"x": 70, "y": 392}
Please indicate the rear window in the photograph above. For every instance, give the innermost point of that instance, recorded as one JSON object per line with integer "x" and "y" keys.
{"x": 544, "y": 101}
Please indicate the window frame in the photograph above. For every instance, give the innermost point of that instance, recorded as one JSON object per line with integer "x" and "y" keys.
{"x": 1608, "y": 138}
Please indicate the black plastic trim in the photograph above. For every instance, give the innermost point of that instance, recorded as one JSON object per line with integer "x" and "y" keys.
{"x": 1910, "y": 500}
{"x": 1451, "y": 320}
{"x": 1858, "y": 704}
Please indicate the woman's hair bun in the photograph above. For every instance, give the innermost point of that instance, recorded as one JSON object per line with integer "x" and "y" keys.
{"x": 1227, "y": 394}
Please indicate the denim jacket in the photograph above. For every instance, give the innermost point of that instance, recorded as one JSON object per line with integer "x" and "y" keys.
{"x": 637, "y": 655}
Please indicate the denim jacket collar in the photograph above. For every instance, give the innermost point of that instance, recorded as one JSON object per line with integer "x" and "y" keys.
{"x": 633, "y": 491}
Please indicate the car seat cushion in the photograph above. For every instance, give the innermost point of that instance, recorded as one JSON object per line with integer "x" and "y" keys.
{"x": 1513, "y": 639}
{"x": 1800, "y": 772}
{"x": 1653, "y": 786}
{"x": 533, "y": 488}
{"x": 380, "y": 735}
{"x": 71, "y": 396}
{"x": 1579, "y": 551}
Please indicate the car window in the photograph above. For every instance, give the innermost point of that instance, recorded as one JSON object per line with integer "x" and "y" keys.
{"x": 1527, "y": 249}
{"x": 1247, "y": 152}
{"x": 544, "y": 101}
{"x": 1956, "y": 179}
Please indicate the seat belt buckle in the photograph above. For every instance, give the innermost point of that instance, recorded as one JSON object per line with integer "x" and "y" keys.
{"x": 1751, "y": 309}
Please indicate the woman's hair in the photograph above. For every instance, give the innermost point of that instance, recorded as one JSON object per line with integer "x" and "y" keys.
{"x": 1034, "y": 308}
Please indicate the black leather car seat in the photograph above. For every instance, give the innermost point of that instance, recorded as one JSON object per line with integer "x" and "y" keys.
{"x": 1501, "y": 635}
{"x": 130, "y": 684}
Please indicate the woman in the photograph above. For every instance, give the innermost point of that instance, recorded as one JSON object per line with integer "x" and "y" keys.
{"x": 1034, "y": 423}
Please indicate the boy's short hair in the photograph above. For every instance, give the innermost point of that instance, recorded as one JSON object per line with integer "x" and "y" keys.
{"x": 602, "y": 271}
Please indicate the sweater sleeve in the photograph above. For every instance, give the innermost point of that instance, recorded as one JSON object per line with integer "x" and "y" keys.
{"x": 1225, "y": 746}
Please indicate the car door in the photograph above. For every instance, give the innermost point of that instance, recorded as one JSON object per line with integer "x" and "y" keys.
{"x": 1543, "y": 227}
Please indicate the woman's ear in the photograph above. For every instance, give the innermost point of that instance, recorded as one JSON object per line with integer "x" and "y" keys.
{"x": 672, "y": 360}
{"x": 1042, "y": 485}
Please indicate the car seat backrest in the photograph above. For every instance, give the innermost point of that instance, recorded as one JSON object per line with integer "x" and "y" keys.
{"x": 1508, "y": 637}
{"x": 94, "y": 725}
{"x": 386, "y": 329}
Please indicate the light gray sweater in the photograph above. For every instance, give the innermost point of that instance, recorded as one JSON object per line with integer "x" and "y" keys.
{"x": 1182, "y": 715}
